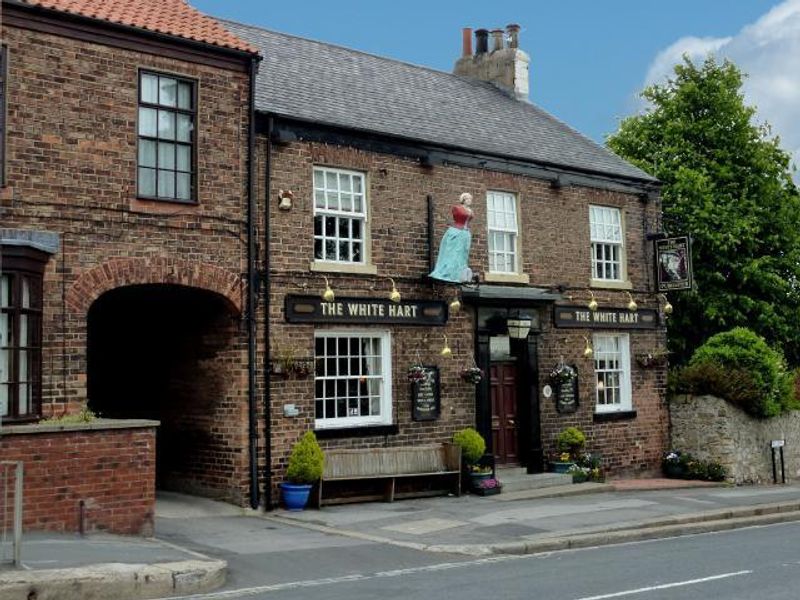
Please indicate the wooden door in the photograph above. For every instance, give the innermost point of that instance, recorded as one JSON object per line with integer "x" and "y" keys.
{"x": 503, "y": 386}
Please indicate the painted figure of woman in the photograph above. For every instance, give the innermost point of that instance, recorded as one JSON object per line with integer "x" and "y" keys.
{"x": 452, "y": 262}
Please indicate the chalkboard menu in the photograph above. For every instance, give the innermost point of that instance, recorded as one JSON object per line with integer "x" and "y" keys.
{"x": 566, "y": 394}
{"x": 425, "y": 399}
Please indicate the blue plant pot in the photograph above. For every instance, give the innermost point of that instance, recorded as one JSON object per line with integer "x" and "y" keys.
{"x": 295, "y": 495}
{"x": 561, "y": 467}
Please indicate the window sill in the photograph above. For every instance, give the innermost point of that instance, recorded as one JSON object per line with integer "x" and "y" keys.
{"x": 506, "y": 277}
{"x": 363, "y": 431}
{"x": 159, "y": 206}
{"x": 611, "y": 285}
{"x": 332, "y": 267}
{"x": 622, "y": 415}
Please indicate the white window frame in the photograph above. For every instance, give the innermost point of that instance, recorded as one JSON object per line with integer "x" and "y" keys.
{"x": 385, "y": 416}
{"x": 607, "y": 235}
{"x": 503, "y": 223}
{"x": 623, "y": 358}
{"x": 324, "y": 196}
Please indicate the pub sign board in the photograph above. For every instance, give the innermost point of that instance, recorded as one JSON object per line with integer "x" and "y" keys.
{"x": 426, "y": 404}
{"x": 605, "y": 318}
{"x": 361, "y": 311}
{"x": 673, "y": 264}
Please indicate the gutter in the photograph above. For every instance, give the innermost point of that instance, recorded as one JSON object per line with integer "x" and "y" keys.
{"x": 266, "y": 286}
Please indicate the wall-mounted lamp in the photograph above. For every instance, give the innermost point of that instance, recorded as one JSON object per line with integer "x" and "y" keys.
{"x": 394, "y": 295}
{"x": 285, "y": 199}
{"x": 632, "y": 306}
{"x": 446, "y": 349}
{"x": 592, "y": 306}
{"x": 667, "y": 306}
{"x": 519, "y": 326}
{"x": 455, "y": 305}
{"x": 328, "y": 295}
{"x": 587, "y": 351}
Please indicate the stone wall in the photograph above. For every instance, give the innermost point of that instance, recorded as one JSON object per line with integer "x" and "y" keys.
{"x": 109, "y": 465}
{"x": 713, "y": 429}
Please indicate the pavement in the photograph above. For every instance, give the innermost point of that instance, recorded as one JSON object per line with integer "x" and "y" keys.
{"x": 200, "y": 542}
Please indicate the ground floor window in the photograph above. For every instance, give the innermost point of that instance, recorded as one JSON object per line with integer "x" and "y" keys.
{"x": 353, "y": 379}
{"x": 612, "y": 367}
{"x": 20, "y": 334}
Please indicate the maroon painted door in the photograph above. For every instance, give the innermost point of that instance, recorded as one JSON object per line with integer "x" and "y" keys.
{"x": 503, "y": 386}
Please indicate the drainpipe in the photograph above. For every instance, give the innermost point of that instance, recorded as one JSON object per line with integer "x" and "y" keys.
{"x": 252, "y": 279}
{"x": 266, "y": 286}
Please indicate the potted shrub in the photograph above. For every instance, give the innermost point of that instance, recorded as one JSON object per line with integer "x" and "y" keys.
{"x": 569, "y": 443}
{"x": 302, "y": 471}
{"x": 473, "y": 449}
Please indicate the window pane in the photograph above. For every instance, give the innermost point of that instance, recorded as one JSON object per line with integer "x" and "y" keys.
{"x": 166, "y": 125}
{"x": 184, "y": 186}
{"x": 149, "y": 88}
{"x": 147, "y": 122}
{"x": 319, "y": 199}
{"x": 168, "y": 91}
{"x": 4, "y": 393}
{"x": 184, "y": 128}
{"x": 5, "y": 291}
{"x": 184, "y": 95}
{"x": 26, "y": 292}
{"x": 23, "y": 406}
{"x": 347, "y": 202}
{"x": 344, "y": 251}
{"x": 184, "y": 158}
{"x": 330, "y": 250}
{"x": 166, "y": 184}
{"x": 23, "y": 332}
{"x": 166, "y": 155}
{"x": 319, "y": 179}
{"x": 330, "y": 226}
{"x": 147, "y": 182}
{"x": 147, "y": 153}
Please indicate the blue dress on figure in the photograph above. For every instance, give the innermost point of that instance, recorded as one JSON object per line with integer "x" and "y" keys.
{"x": 452, "y": 262}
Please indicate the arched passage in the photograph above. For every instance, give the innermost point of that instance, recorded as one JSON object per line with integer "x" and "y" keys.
{"x": 175, "y": 354}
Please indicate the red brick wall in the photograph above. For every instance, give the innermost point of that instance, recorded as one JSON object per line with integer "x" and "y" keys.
{"x": 111, "y": 470}
{"x": 555, "y": 250}
{"x": 71, "y": 169}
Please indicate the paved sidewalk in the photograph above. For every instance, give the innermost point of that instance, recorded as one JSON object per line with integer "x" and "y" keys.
{"x": 253, "y": 547}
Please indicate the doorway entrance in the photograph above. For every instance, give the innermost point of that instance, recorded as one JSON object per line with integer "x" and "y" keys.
{"x": 173, "y": 354}
{"x": 505, "y": 434}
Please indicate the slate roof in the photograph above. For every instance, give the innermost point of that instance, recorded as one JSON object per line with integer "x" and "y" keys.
{"x": 170, "y": 17}
{"x": 313, "y": 81}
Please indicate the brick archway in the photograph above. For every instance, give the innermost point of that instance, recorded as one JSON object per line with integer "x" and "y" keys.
{"x": 119, "y": 272}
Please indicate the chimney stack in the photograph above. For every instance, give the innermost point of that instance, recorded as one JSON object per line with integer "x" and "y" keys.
{"x": 466, "y": 41}
{"x": 506, "y": 66}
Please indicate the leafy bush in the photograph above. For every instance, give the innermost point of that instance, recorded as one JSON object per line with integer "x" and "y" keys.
{"x": 472, "y": 444}
{"x": 84, "y": 416}
{"x": 739, "y": 366}
{"x": 571, "y": 440}
{"x": 306, "y": 460}
{"x": 682, "y": 465}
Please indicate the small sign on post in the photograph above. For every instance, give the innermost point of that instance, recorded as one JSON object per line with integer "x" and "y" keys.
{"x": 779, "y": 444}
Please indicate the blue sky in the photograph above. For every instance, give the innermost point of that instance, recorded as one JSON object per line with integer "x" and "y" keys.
{"x": 589, "y": 58}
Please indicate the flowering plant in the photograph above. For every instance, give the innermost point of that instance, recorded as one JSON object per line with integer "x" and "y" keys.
{"x": 562, "y": 374}
{"x": 488, "y": 484}
{"x": 416, "y": 373}
{"x": 472, "y": 375}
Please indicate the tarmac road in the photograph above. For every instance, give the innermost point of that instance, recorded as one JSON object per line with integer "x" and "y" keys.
{"x": 746, "y": 564}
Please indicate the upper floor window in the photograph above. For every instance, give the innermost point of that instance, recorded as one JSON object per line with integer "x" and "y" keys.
{"x": 503, "y": 232}
{"x": 353, "y": 378}
{"x": 20, "y": 333}
{"x": 3, "y": 76}
{"x": 612, "y": 367}
{"x": 605, "y": 224}
{"x": 167, "y": 140}
{"x": 340, "y": 215}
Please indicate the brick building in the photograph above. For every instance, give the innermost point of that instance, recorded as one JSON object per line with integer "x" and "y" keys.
{"x": 123, "y": 223}
{"x": 360, "y": 160}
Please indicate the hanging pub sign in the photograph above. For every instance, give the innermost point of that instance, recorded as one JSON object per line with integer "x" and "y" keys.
{"x": 425, "y": 398}
{"x": 564, "y": 379}
{"x": 360, "y": 311}
{"x": 605, "y": 318}
{"x": 673, "y": 264}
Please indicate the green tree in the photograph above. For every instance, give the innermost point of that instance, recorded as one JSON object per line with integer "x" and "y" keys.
{"x": 727, "y": 184}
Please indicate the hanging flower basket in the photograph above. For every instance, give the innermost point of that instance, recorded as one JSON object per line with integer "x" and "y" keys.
{"x": 416, "y": 373}
{"x": 652, "y": 359}
{"x": 472, "y": 375}
{"x": 562, "y": 374}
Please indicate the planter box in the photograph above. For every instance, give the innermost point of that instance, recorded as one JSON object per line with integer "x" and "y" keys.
{"x": 561, "y": 467}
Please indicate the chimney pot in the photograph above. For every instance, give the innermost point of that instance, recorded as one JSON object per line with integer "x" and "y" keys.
{"x": 497, "y": 39}
{"x": 466, "y": 41}
{"x": 481, "y": 41}
{"x": 513, "y": 35}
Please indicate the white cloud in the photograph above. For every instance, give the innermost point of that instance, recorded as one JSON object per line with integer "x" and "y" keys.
{"x": 768, "y": 51}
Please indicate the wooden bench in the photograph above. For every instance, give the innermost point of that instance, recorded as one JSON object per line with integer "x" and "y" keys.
{"x": 389, "y": 465}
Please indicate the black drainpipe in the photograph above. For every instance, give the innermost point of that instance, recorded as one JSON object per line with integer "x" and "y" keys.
{"x": 266, "y": 286}
{"x": 252, "y": 279}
